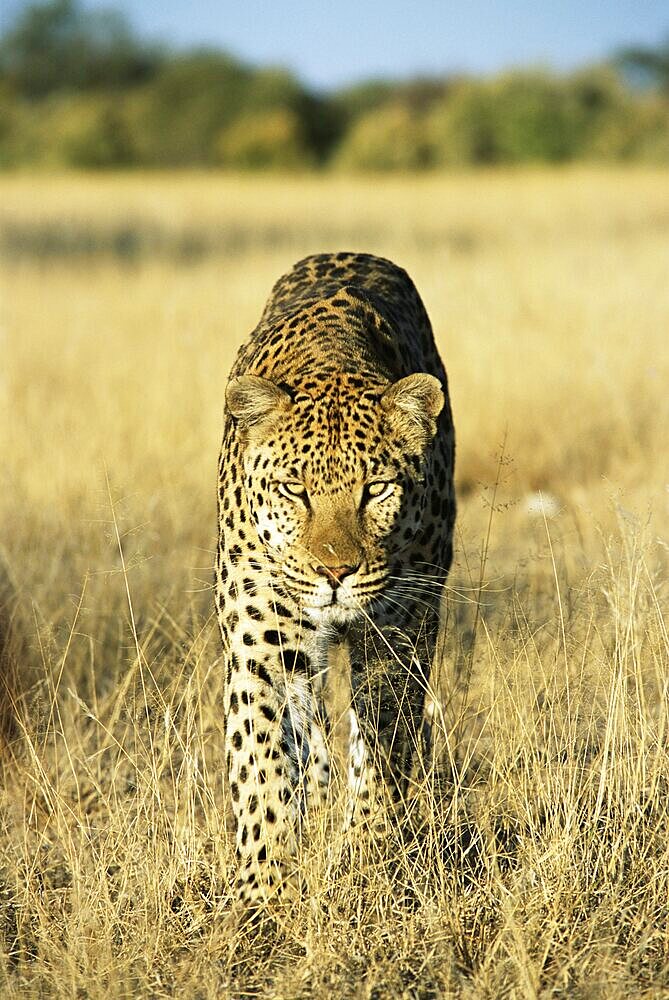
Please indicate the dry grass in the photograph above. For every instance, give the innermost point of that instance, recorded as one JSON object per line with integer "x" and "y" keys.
{"x": 543, "y": 869}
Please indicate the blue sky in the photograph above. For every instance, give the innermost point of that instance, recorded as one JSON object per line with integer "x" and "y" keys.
{"x": 332, "y": 43}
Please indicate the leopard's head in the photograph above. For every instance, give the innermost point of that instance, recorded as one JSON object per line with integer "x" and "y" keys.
{"x": 338, "y": 474}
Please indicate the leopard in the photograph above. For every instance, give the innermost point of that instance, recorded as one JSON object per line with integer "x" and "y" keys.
{"x": 336, "y": 514}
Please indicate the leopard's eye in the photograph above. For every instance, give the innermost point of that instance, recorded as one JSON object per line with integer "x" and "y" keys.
{"x": 380, "y": 489}
{"x": 292, "y": 489}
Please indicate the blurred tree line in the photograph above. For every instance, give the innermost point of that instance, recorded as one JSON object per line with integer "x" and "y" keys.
{"x": 79, "y": 89}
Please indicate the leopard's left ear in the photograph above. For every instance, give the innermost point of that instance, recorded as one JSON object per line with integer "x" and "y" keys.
{"x": 256, "y": 403}
{"x": 413, "y": 405}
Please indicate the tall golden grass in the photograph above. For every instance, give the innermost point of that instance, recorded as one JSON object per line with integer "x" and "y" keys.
{"x": 543, "y": 865}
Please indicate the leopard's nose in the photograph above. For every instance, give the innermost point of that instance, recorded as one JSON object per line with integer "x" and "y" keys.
{"x": 335, "y": 574}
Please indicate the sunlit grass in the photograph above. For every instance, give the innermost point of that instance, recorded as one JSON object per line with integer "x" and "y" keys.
{"x": 544, "y": 868}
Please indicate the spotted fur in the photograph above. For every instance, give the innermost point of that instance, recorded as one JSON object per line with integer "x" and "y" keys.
{"x": 336, "y": 512}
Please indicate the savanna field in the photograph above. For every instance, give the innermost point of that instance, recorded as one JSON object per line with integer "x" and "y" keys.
{"x": 541, "y": 863}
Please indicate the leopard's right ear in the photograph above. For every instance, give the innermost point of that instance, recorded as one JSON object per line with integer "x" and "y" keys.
{"x": 254, "y": 402}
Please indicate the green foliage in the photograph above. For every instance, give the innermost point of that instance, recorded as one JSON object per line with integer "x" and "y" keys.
{"x": 391, "y": 138}
{"x": 265, "y": 139}
{"x": 59, "y": 46}
{"x": 208, "y": 108}
{"x": 77, "y": 88}
{"x": 9, "y": 127}
{"x": 71, "y": 130}
{"x": 103, "y": 141}
{"x": 463, "y": 129}
{"x": 647, "y": 65}
{"x": 178, "y": 116}
{"x": 370, "y": 95}
{"x": 384, "y": 124}
{"x": 535, "y": 118}
{"x": 528, "y": 117}
{"x": 275, "y": 102}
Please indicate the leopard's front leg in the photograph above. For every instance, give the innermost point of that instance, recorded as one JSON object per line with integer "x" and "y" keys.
{"x": 390, "y": 669}
{"x": 276, "y": 764}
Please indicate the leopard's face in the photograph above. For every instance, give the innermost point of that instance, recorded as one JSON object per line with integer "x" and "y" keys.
{"x": 336, "y": 481}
